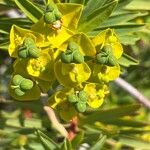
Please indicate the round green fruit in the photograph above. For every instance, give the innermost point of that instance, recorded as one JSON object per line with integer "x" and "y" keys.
{"x": 26, "y": 84}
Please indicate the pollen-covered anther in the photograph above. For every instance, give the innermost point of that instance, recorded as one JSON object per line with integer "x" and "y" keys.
{"x": 57, "y": 25}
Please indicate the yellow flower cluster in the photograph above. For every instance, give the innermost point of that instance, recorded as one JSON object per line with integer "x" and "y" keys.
{"x": 52, "y": 50}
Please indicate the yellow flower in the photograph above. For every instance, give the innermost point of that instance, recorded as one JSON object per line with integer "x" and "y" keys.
{"x": 70, "y": 17}
{"x": 17, "y": 36}
{"x": 28, "y": 95}
{"x": 108, "y": 37}
{"x": 96, "y": 94}
{"x": 71, "y": 74}
{"x": 80, "y": 39}
{"x": 104, "y": 73}
{"x": 41, "y": 67}
{"x": 59, "y": 102}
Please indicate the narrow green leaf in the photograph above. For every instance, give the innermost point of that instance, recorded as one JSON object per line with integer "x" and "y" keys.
{"x": 127, "y": 60}
{"x": 29, "y": 9}
{"x": 77, "y": 140}
{"x": 48, "y": 143}
{"x": 4, "y": 46}
{"x": 99, "y": 144}
{"x": 110, "y": 114}
{"x": 135, "y": 143}
{"x": 133, "y": 131}
{"x": 120, "y": 29}
{"x": 91, "y": 7}
{"x": 130, "y": 39}
{"x": 122, "y": 18}
{"x": 138, "y": 5}
{"x": 3, "y": 31}
{"x": 96, "y": 18}
{"x": 125, "y": 122}
{"x": 66, "y": 145}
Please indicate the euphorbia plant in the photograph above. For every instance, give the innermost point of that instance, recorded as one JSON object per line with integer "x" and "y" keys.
{"x": 70, "y": 54}
{"x": 55, "y": 50}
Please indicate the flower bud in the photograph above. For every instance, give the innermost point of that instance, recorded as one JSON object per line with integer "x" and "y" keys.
{"x": 17, "y": 79}
{"x": 26, "y": 84}
{"x": 81, "y": 106}
{"x": 34, "y": 52}
{"x": 77, "y": 57}
{"x": 72, "y": 98}
{"x": 72, "y": 46}
{"x": 49, "y": 17}
{"x": 83, "y": 96}
{"x": 66, "y": 58}
{"x": 19, "y": 92}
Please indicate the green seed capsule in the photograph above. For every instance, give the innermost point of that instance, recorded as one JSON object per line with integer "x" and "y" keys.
{"x": 19, "y": 92}
{"x": 83, "y": 96}
{"x": 72, "y": 98}
{"x": 28, "y": 42}
{"x": 23, "y": 52}
{"x": 72, "y": 46}
{"x": 17, "y": 79}
{"x": 50, "y": 8}
{"x": 101, "y": 59}
{"x": 112, "y": 61}
{"x": 34, "y": 52}
{"x": 81, "y": 106}
{"x": 49, "y": 17}
{"x": 58, "y": 14}
{"x": 26, "y": 84}
{"x": 77, "y": 57}
{"x": 66, "y": 58}
{"x": 107, "y": 49}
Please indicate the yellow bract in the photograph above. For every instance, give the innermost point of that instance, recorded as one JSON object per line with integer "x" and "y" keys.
{"x": 71, "y": 74}
{"x": 41, "y": 67}
{"x": 17, "y": 36}
{"x": 96, "y": 94}
{"x": 105, "y": 73}
{"x": 70, "y": 14}
{"x": 59, "y": 101}
{"x": 108, "y": 37}
{"x": 70, "y": 17}
{"x": 86, "y": 47}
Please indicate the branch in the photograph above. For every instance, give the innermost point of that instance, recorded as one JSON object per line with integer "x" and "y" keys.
{"x": 55, "y": 123}
{"x": 133, "y": 91}
{"x": 52, "y": 117}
